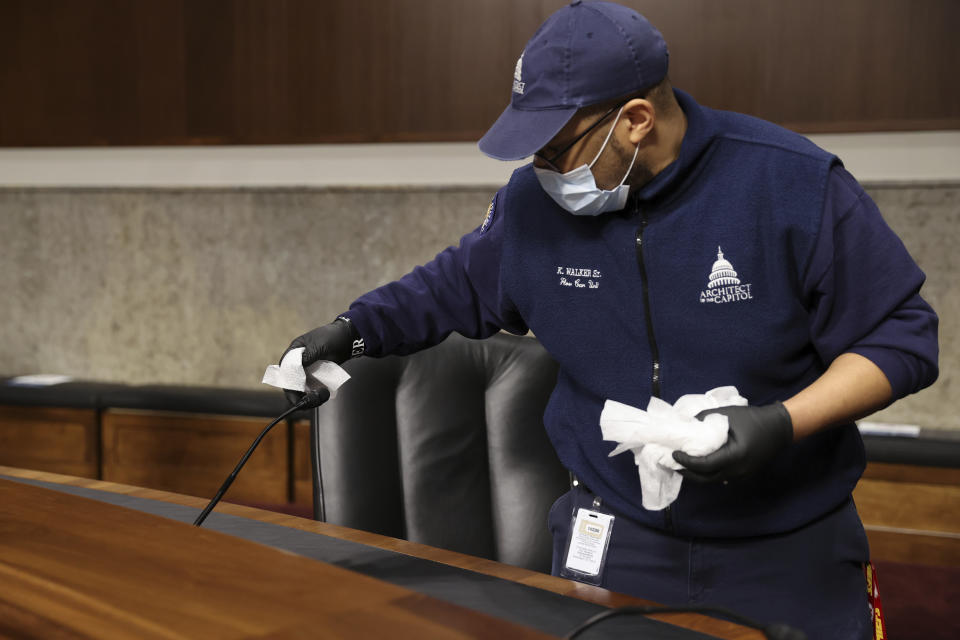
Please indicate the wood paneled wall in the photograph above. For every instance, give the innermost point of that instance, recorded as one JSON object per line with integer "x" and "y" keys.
{"x": 58, "y": 439}
{"x": 193, "y": 453}
{"x": 125, "y": 72}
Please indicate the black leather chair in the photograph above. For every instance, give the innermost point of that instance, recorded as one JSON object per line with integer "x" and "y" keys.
{"x": 445, "y": 447}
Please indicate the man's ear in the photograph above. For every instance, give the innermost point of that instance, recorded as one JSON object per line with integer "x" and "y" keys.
{"x": 641, "y": 116}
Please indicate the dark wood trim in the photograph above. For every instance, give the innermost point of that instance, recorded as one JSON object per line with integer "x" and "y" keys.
{"x": 912, "y": 473}
{"x": 162, "y": 72}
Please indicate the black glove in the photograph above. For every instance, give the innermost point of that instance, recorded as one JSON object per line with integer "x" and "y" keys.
{"x": 756, "y": 435}
{"x": 337, "y": 342}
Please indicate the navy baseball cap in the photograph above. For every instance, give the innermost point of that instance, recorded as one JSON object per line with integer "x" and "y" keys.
{"x": 585, "y": 53}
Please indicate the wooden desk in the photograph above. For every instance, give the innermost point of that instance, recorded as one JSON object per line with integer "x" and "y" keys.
{"x": 79, "y": 568}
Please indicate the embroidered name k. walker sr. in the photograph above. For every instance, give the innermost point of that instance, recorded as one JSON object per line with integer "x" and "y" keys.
{"x": 579, "y": 277}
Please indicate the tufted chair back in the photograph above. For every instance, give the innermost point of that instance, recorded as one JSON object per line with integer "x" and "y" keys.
{"x": 445, "y": 447}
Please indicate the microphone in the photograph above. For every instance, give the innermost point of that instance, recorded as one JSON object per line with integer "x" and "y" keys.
{"x": 775, "y": 631}
{"x": 311, "y": 399}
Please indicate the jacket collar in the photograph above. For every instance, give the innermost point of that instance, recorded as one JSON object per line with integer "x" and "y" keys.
{"x": 701, "y": 129}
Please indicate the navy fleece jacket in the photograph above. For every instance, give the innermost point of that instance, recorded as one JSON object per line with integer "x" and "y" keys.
{"x": 753, "y": 260}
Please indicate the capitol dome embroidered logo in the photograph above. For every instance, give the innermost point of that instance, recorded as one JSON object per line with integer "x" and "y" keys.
{"x": 724, "y": 284}
{"x": 518, "y": 84}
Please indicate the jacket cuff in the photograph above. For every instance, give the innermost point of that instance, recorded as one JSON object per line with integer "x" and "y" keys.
{"x": 360, "y": 333}
{"x": 357, "y": 344}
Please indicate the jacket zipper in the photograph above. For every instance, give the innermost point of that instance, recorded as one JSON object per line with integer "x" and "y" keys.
{"x": 648, "y": 317}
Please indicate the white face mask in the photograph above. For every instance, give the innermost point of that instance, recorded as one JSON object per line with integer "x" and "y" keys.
{"x": 577, "y": 191}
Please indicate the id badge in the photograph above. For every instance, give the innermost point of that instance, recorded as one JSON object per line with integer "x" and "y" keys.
{"x": 586, "y": 553}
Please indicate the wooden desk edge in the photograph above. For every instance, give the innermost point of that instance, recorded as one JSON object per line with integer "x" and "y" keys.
{"x": 695, "y": 622}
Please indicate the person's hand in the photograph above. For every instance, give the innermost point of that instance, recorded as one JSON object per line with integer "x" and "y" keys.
{"x": 756, "y": 435}
{"x": 334, "y": 342}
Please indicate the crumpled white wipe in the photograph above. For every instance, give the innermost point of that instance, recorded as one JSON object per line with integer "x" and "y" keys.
{"x": 653, "y": 435}
{"x": 290, "y": 374}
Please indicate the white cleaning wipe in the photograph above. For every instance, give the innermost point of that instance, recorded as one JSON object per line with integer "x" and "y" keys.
{"x": 290, "y": 374}
{"x": 653, "y": 435}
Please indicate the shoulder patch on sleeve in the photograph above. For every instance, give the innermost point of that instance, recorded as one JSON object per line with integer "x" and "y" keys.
{"x": 488, "y": 218}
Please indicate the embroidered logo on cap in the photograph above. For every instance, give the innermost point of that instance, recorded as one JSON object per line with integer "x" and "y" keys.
{"x": 518, "y": 85}
{"x": 724, "y": 284}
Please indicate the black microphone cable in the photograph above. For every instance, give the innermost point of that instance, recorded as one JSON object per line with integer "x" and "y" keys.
{"x": 311, "y": 399}
{"x": 775, "y": 631}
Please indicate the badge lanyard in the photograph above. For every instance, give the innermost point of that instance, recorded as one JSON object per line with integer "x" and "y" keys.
{"x": 873, "y": 597}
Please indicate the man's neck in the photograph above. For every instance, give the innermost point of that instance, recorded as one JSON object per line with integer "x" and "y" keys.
{"x": 674, "y": 129}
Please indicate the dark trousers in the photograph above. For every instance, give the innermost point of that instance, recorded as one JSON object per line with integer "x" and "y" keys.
{"x": 811, "y": 578}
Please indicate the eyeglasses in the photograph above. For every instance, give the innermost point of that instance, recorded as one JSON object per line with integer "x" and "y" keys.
{"x": 550, "y": 161}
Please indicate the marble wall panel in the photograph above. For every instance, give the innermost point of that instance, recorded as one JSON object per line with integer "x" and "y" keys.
{"x": 201, "y": 286}
{"x": 208, "y": 286}
{"x": 927, "y": 219}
